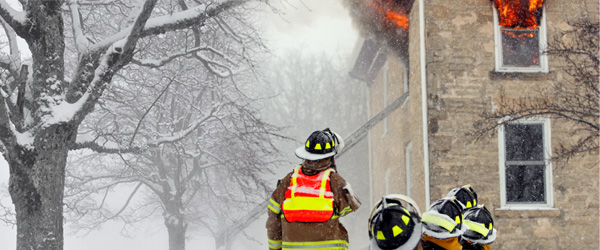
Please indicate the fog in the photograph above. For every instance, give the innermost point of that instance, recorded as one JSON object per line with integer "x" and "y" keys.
{"x": 308, "y": 29}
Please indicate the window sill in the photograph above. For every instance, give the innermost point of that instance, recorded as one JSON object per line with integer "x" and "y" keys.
{"x": 526, "y": 212}
{"x": 528, "y": 76}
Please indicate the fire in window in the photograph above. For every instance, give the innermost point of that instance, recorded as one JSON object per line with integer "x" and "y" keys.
{"x": 519, "y": 33}
{"x": 385, "y": 20}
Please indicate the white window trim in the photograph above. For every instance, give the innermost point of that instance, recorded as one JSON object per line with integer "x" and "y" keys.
{"x": 547, "y": 172}
{"x": 542, "y": 46}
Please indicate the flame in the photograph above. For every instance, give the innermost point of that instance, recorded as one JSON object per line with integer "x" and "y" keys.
{"x": 521, "y": 36}
{"x": 393, "y": 14}
{"x": 398, "y": 19}
{"x": 519, "y": 14}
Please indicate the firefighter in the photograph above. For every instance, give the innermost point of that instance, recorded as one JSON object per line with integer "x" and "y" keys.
{"x": 481, "y": 232}
{"x": 305, "y": 208}
{"x": 393, "y": 226}
{"x": 443, "y": 225}
{"x": 465, "y": 196}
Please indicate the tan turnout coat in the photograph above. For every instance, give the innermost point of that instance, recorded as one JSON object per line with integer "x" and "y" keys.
{"x": 329, "y": 235}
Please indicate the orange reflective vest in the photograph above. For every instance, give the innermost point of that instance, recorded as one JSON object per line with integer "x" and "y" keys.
{"x": 308, "y": 198}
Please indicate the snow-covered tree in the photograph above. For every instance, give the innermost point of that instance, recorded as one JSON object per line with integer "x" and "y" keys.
{"x": 77, "y": 48}
{"x": 215, "y": 171}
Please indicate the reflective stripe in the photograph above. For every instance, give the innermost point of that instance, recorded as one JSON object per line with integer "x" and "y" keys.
{"x": 308, "y": 198}
{"x": 324, "y": 183}
{"x": 275, "y": 244}
{"x": 274, "y": 206}
{"x": 345, "y": 210}
{"x": 309, "y": 203}
{"x": 477, "y": 227}
{"x": 448, "y": 225}
{"x": 294, "y": 180}
{"x": 317, "y": 245}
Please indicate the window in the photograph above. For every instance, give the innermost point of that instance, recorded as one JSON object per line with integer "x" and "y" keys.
{"x": 520, "y": 50}
{"x": 525, "y": 169}
{"x": 408, "y": 163}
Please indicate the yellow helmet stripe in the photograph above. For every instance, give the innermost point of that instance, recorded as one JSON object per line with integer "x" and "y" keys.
{"x": 477, "y": 227}
{"x": 448, "y": 225}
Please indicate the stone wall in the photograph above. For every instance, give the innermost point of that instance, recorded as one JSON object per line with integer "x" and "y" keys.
{"x": 461, "y": 84}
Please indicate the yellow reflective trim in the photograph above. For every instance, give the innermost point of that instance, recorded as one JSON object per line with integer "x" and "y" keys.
{"x": 333, "y": 143}
{"x": 308, "y": 203}
{"x": 457, "y": 219}
{"x": 380, "y": 235}
{"x": 345, "y": 210}
{"x": 438, "y": 221}
{"x": 490, "y": 228}
{"x": 335, "y": 217}
{"x": 477, "y": 227}
{"x": 275, "y": 244}
{"x": 324, "y": 182}
{"x": 275, "y": 210}
{"x": 474, "y": 202}
{"x": 311, "y": 243}
{"x": 275, "y": 204}
{"x": 468, "y": 204}
{"x": 397, "y": 230}
{"x": 327, "y": 146}
{"x": 294, "y": 180}
{"x": 275, "y": 241}
{"x": 318, "y": 146}
{"x": 405, "y": 219}
{"x": 308, "y": 144}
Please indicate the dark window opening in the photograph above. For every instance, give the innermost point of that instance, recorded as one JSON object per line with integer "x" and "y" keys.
{"x": 520, "y": 47}
{"x": 525, "y": 165}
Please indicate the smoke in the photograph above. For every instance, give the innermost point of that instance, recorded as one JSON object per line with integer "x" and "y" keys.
{"x": 385, "y": 21}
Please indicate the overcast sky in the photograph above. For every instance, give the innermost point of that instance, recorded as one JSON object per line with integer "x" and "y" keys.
{"x": 314, "y": 25}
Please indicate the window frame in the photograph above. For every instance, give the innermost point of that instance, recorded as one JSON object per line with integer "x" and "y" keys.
{"x": 548, "y": 190}
{"x": 542, "y": 44}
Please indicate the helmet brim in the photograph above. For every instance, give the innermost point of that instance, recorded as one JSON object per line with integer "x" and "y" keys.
{"x": 488, "y": 240}
{"x": 303, "y": 154}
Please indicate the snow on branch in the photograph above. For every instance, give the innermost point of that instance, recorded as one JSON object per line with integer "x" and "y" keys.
{"x": 81, "y": 42}
{"x": 182, "y": 134}
{"x": 156, "y": 63}
{"x": 16, "y": 19}
{"x": 105, "y": 149}
{"x": 176, "y": 21}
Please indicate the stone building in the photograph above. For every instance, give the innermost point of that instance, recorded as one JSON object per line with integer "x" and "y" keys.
{"x": 430, "y": 80}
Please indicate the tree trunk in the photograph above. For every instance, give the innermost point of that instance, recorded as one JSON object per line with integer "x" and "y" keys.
{"x": 175, "y": 223}
{"x": 37, "y": 181}
{"x": 176, "y": 236}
